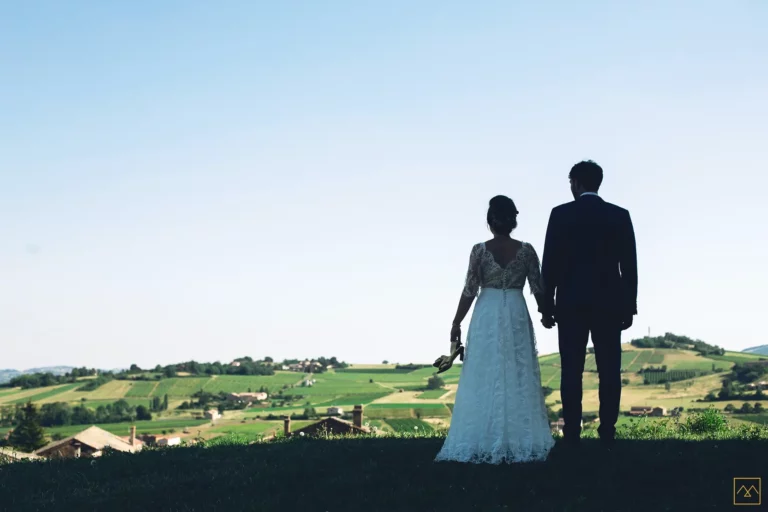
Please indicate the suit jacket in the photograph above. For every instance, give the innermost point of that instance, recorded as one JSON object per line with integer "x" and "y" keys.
{"x": 590, "y": 259}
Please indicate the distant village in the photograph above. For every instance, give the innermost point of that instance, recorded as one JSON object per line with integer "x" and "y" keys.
{"x": 94, "y": 441}
{"x": 306, "y": 366}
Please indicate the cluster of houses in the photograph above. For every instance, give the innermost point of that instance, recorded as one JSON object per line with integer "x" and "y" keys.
{"x": 91, "y": 443}
{"x": 762, "y": 385}
{"x": 306, "y": 366}
{"x": 247, "y": 398}
{"x": 645, "y": 410}
{"x": 94, "y": 441}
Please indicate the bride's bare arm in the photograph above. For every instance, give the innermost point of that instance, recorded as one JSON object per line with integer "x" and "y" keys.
{"x": 461, "y": 312}
{"x": 471, "y": 287}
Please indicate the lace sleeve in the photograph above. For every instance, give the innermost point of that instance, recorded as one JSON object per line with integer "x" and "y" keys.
{"x": 473, "y": 280}
{"x": 534, "y": 271}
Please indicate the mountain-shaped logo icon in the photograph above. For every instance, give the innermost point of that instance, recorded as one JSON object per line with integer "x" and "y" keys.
{"x": 747, "y": 491}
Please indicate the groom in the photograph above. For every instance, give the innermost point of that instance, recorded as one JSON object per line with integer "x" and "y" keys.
{"x": 590, "y": 262}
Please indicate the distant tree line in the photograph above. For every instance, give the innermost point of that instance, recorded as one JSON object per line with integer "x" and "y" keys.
{"x": 670, "y": 340}
{"x": 60, "y": 414}
{"x": 247, "y": 366}
{"x": 41, "y": 380}
{"x": 746, "y": 408}
{"x": 733, "y": 387}
{"x": 411, "y": 366}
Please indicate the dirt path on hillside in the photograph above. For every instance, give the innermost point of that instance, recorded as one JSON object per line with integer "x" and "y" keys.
{"x": 411, "y": 397}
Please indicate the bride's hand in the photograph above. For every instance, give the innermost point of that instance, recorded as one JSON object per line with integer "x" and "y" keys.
{"x": 443, "y": 363}
{"x": 456, "y": 333}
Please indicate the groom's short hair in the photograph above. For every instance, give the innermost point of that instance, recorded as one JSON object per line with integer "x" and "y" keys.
{"x": 588, "y": 174}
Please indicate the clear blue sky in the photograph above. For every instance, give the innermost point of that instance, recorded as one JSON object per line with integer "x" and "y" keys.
{"x": 189, "y": 179}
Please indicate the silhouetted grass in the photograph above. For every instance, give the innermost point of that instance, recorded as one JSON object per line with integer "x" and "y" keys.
{"x": 656, "y": 466}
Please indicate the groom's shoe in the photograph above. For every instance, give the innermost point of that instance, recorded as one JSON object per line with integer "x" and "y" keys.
{"x": 608, "y": 442}
{"x": 571, "y": 442}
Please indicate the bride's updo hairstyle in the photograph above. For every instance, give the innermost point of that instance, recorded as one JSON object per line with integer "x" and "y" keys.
{"x": 502, "y": 215}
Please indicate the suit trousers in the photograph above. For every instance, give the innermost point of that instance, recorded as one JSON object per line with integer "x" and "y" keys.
{"x": 574, "y": 329}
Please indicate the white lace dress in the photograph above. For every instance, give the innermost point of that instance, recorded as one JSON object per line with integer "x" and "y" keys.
{"x": 499, "y": 415}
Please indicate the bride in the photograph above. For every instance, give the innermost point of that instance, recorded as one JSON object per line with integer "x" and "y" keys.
{"x": 499, "y": 414}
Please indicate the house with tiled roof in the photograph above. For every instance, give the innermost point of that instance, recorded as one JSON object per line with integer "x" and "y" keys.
{"x": 331, "y": 425}
{"x": 91, "y": 442}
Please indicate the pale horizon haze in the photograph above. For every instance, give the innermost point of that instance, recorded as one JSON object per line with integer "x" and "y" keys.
{"x": 201, "y": 180}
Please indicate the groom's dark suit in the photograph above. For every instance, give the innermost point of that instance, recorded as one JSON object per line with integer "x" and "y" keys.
{"x": 590, "y": 262}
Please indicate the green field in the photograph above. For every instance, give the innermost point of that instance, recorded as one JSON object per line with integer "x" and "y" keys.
{"x": 738, "y": 357}
{"x": 639, "y": 361}
{"x": 378, "y": 387}
{"x": 241, "y": 383}
{"x": 255, "y": 429}
{"x": 141, "y": 388}
{"x": 431, "y": 394}
{"x": 762, "y": 419}
{"x": 409, "y": 425}
{"x": 400, "y": 406}
{"x": 425, "y": 410}
{"x": 11, "y": 391}
{"x": 48, "y": 393}
{"x": 341, "y": 400}
{"x": 180, "y": 387}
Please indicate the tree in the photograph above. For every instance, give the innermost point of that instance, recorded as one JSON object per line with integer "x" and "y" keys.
{"x": 142, "y": 413}
{"x": 667, "y": 386}
{"x": 729, "y": 408}
{"x": 134, "y": 368}
{"x": 165, "y": 402}
{"x": 625, "y": 382}
{"x": 169, "y": 372}
{"x": 435, "y": 382}
{"x": 28, "y": 434}
{"x": 269, "y": 360}
{"x": 726, "y": 391}
{"x": 385, "y": 362}
{"x": 759, "y": 407}
{"x": 55, "y": 415}
{"x": 746, "y": 408}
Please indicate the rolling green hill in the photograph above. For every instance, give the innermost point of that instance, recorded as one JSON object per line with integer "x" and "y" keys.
{"x": 390, "y": 393}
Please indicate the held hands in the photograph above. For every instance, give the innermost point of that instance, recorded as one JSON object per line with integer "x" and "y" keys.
{"x": 548, "y": 321}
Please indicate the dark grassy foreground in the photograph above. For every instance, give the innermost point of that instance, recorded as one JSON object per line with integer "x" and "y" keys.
{"x": 389, "y": 474}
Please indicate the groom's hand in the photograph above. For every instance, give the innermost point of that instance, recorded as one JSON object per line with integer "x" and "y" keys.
{"x": 548, "y": 321}
{"x": 626, "y": 322}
